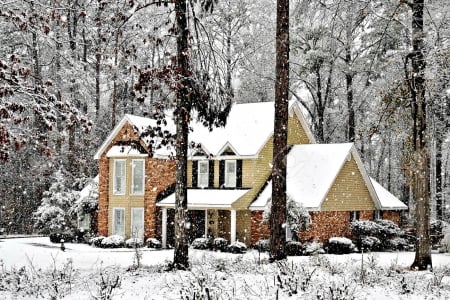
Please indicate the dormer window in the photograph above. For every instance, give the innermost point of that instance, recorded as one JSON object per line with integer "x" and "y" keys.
{"x": 203, "y": 174}
{"x": 230, "y": 173}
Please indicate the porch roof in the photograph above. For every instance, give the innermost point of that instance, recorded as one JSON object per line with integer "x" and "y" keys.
{"x": 206, "y": 198}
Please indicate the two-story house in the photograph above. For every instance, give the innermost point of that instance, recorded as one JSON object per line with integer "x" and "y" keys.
{"x": 229, "y": 178}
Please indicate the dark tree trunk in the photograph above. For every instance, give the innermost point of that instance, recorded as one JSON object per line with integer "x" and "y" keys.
{"x": 181, "y": 259}
{"x": 278, "y": 210}
{"x": 98, "y": 58}
{"x": 420, "y": 170}
{"x": 439, "y": 208}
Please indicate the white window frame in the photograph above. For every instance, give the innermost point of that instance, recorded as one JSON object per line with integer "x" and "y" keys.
{"x": 205, "y": 175}
{"x": 133, "y": 192}
{"x": 84, "y": 221}
{"x": 141, "y": 234}
{"x": 124, "y": 181}
{"x": 114, "y": 229}
{"x": 230, "y": 182}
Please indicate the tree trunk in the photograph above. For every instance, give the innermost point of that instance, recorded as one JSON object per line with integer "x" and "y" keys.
{"x": 439, "y": 206}
{"x": 181, "y": 258}
{"x": 420, "y": 175}
{"x": 278, "y": 210}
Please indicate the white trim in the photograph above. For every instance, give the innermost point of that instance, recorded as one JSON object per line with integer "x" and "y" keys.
{"x": 141, "y": 209}
{"x": 164, "y": 228}
{"x": 224, "y": 147}
{"x": 114, "y": 219}
{"x": 111, "y": 136}
{"x": 233, "y": 226}
{"x": 140, "y": 193}
{"x": 124, "y": 177}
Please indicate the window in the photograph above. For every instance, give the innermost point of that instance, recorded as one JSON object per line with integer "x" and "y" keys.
{"x": 119, "y": 221}
{"x": 230, "y": 173}
{"x": 137, "y": 222}
{"x": 84, "y": 221}
{"x": 354, "y": 216}
{"x": 119, "y": 177}
{"x": 138, "y": 176}
{"x": 203, "y": 173}
{"x": 378, "y": 215}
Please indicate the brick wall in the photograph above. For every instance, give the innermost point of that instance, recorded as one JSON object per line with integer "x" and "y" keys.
{"x": 392, "y": 215}
{"x": 103, "y": 196}
{"x": 326, "y": 224}
{"x": 160, "y": 174}
{"x": 259, "y": 230}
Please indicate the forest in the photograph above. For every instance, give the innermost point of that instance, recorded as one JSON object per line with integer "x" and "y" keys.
{"x": 70, "y": 69}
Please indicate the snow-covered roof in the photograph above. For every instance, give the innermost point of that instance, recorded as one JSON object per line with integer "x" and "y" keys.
{"x": 311, "y": 171}
{"x": 248, "y": 128}
{"x": 206, "y": 198}
{"x": 388, "y": 201}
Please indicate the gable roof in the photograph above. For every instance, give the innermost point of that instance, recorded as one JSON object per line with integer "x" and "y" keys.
{"x": 388, "y": 201}
{"x": 249, "y": 126}
{"x": 312, "y": 170}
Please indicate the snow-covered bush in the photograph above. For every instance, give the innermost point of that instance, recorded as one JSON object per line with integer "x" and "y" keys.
{"x": 313, "y": 248}
{"x": 340, "y": 245}
{"x": 297, "y": 216}
{"x": 397, "y": 243}
{"x": 237, "y": 247}
{"x": 153, "y": 243}
{"x": 56, "y": 237}
{"x": 294, "y": 248}
{"x": 220, "y": 244}
{"x": 200, "y": 243}
{"x": 134, "y": 242}
{"x": 370, "y": 243}
{"x": 96, "y": 241}
{"x": 113, "y": 241}
{"x": 365, "y": 228}
{"x": 87, "y": 203}
{"x": 263, "y": 245}
{"x": 438, "y": 229}
{"x": 53, "y": 215}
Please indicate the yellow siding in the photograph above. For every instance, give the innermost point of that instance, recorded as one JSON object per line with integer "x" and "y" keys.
{"x": 296, "y": 132}
{"x": 349, "y": 191}
{"x": 243, "y": 230}
{"x": 126, "y": 201}
{"x": 189, "y": 173}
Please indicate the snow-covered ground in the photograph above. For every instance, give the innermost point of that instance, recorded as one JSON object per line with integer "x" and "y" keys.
{"x": 32, "y": 268}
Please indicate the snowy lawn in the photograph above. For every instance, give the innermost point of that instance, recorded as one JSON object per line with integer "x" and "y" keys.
{"x": 33, "y": 268}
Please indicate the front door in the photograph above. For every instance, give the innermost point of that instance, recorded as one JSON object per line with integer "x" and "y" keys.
{"x": 137, "y": 222}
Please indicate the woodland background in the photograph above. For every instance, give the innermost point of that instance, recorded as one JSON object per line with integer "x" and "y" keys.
{"x": 70, "y": 69}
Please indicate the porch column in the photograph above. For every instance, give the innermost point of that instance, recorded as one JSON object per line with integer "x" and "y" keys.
{"x": 233, "y": 226}
{"x": 164, "y": 228}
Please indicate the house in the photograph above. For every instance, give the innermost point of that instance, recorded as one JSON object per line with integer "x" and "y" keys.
{"x": 229, "y": 172}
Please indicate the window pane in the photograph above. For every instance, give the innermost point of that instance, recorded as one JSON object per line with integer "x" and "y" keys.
{"x": 138, "y": 177}
{"x": 203, "y": 173}
{"x": 119, "y": 177}
{"x": 119, "y": 221}
{"x": 230, "y": 173}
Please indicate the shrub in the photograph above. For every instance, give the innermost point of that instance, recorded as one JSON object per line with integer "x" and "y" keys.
{"x": 294, "y": 248}
{"x": 96, "y": 241}
{"x": 263, "y": 245}
{"x": 237, "y": 247}
{"x": 153, "y": 243}
{"x": 438, "y": 229}
{"x": 134, "y": 242}
{"x": 389, "y": 230}
{"x": 365, "y": 228}
{"x": 370, "y": 243}
{"x": 56, "y": 237}
{"x": 113, "y": 241}
{"x": 313, "y": 248}
{"x": 340, "y": 245}
{"x": 200, "y": 243}
{"x": 220, "y": 244}
{"x": 397, "y": 243}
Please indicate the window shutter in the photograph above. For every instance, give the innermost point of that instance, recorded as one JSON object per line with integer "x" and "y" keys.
{"x": 211, "y": 174}
{"x": 239, "y": 173}
{"x": 221, "y": 173}
{"x": 194, "y": 173}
